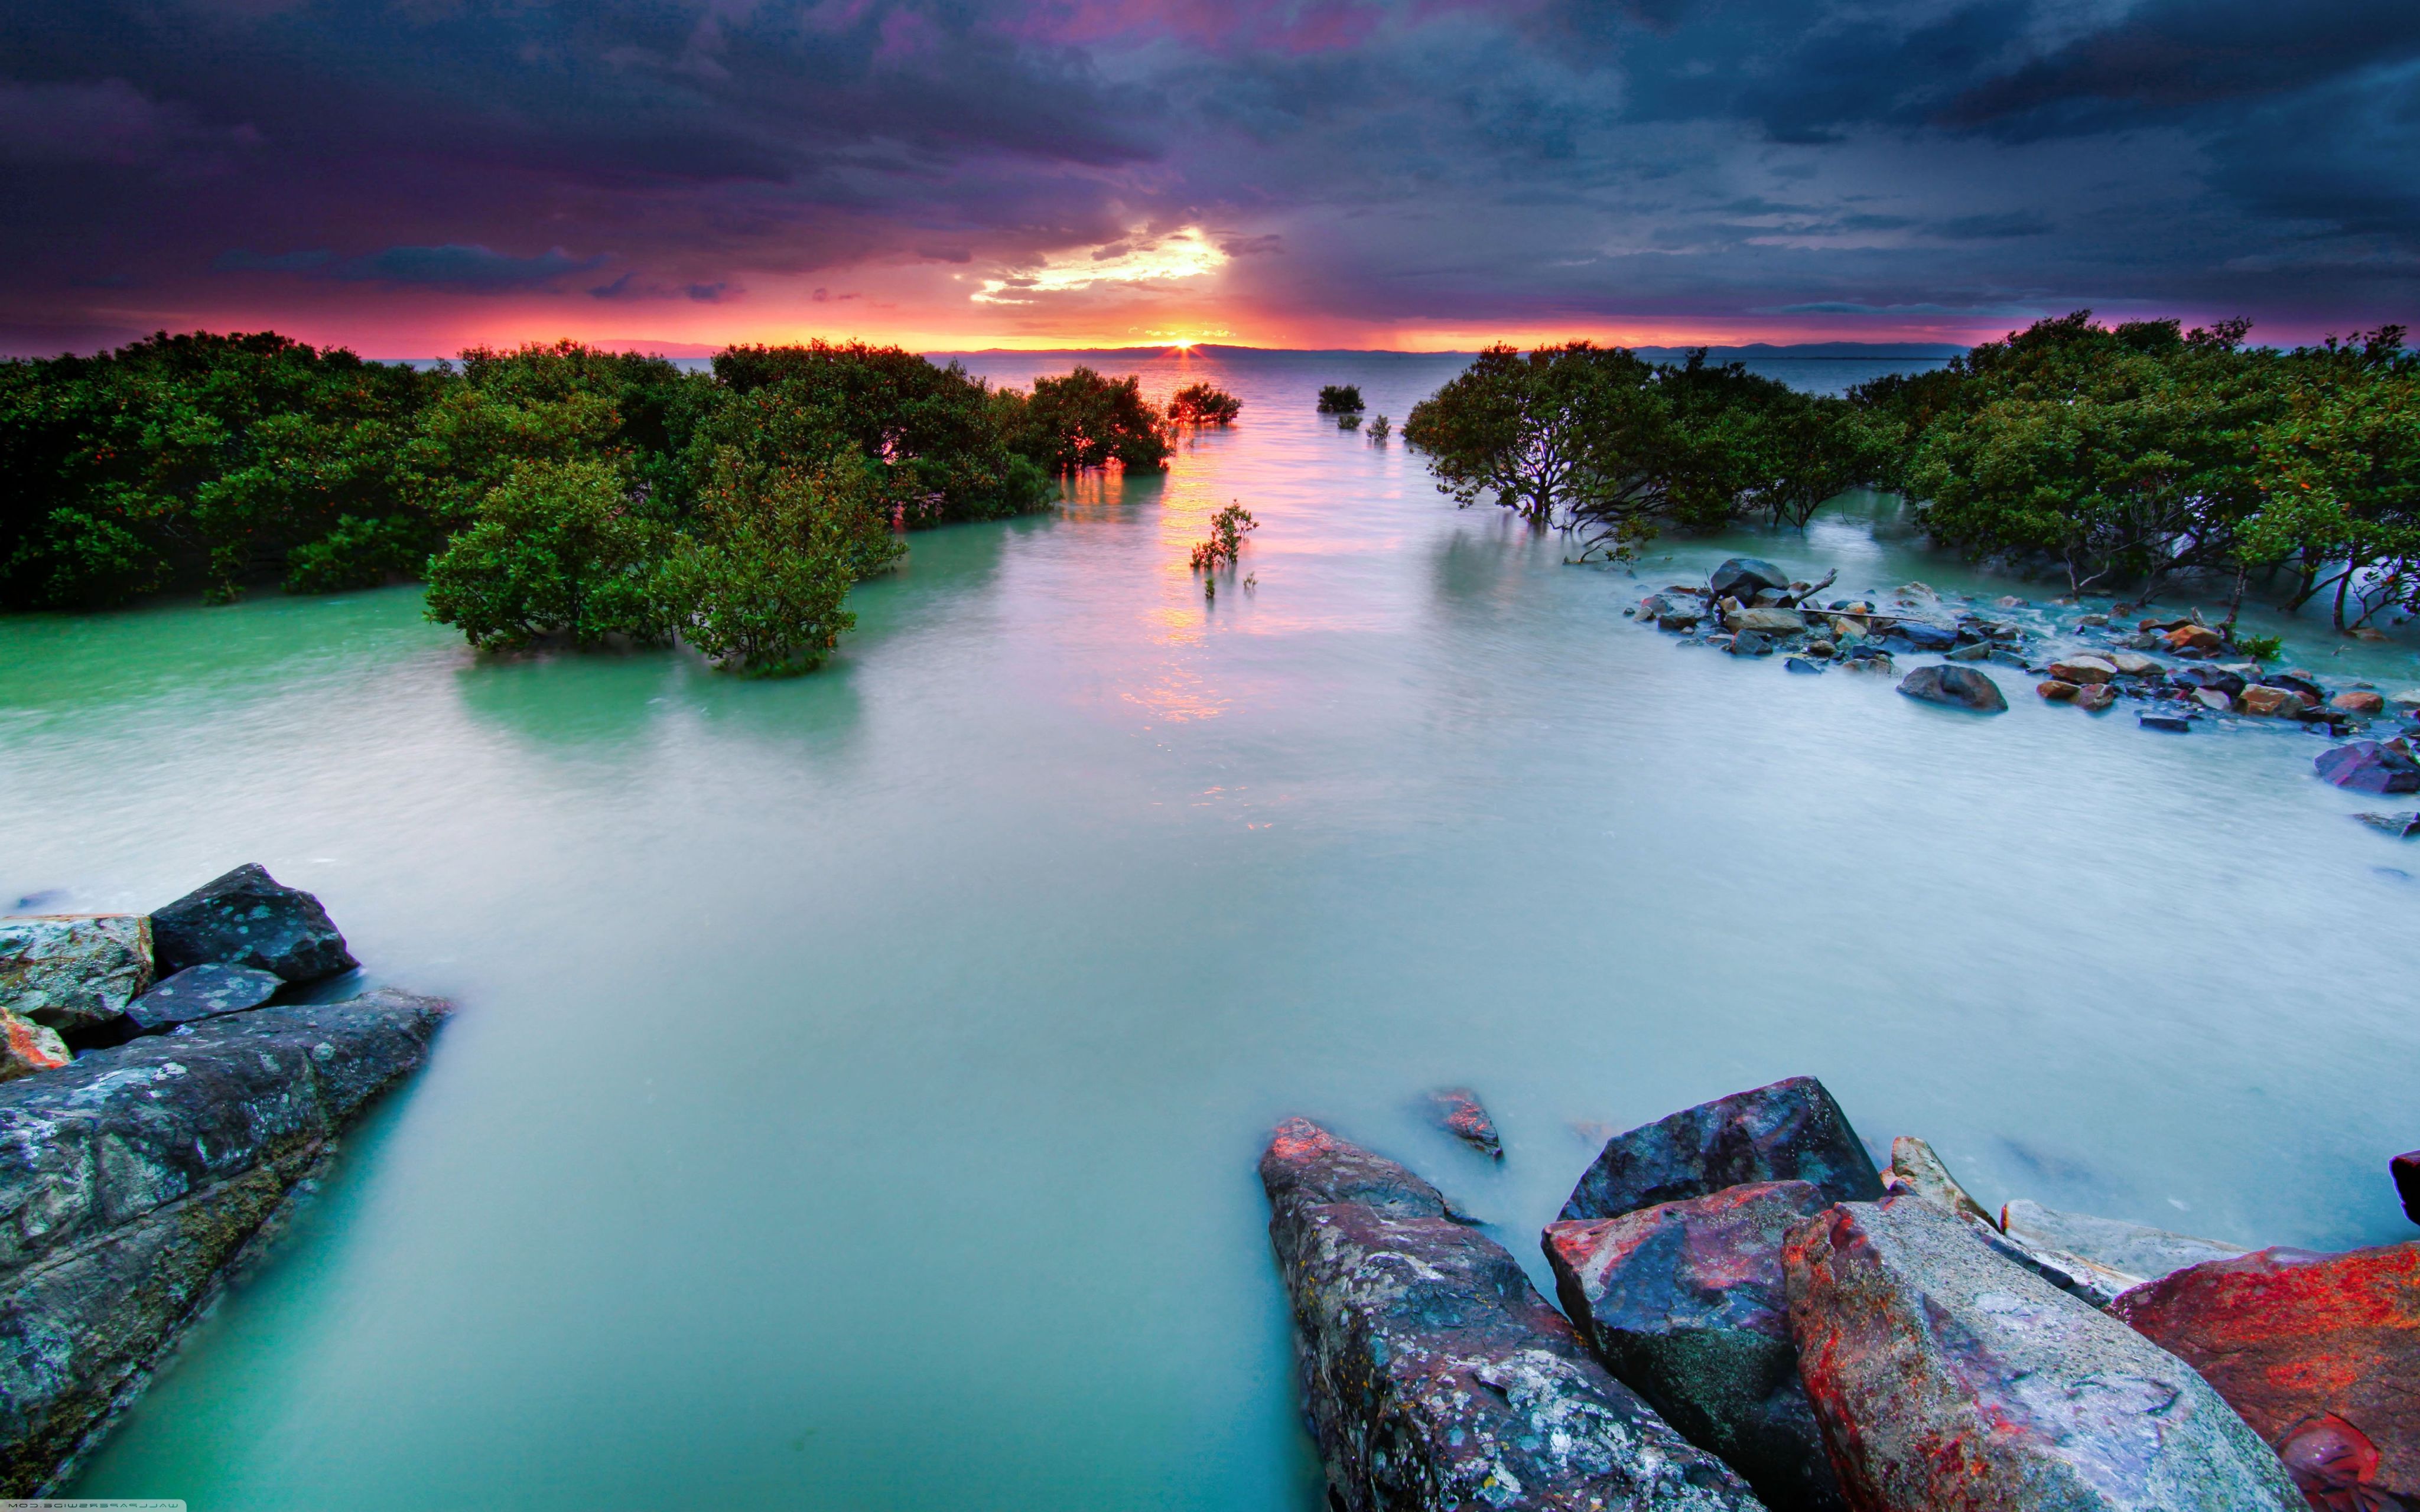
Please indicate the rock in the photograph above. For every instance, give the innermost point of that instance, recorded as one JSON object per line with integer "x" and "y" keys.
{"x": 2174, "y": 724}
{"x": 1876, "y": 662}
{"x": 71, "y": 971}
{"x": 1434, "y": 1374}
{"x": 2212, "y": 699}
{"x": 1979, "y": 651}
{"x": 1750, "y": 643}
{"x": 1944, "y": 1377}
{"x": 2096, "y": 698}
{"x": 2406, "y": 1171}
{"x": 135, "y": 1175}
{"x": 2299, "y": 682}
{"x": 2358, "y": 702}
{"x": 2134, "y": 1249}
{"x": 1820, "y": 648}
{"x": 1914, "y": 1168}
{"x": 1846, "y": 630}
{"x": 1685, "y": 1304}
{"x": 2090, "y": 621}
{"x": 1791, "y": 1131}
{"x": 26, "y": 1047}
{"x": 2194, "y": 638}
{"x": 2366, "y": 766}
{"x": 1925, "y": 637}
{"x": 2407, "y": 699}
{"x": 2056, "y": 691}
{"x": 202, "y": 991}
{"x": 1679, "y": 619}
{"x": 2084, "y": 670}
{"x": 2288, "y": 1336}
{"x": 2218, "y": 678}
{"x": 246, "y": 918}
{"x": 1800, "y": 664}
{"x": 1459, "y": 1113}
{"x": 2008, "y": 601}
{"x": 2400, "y": 826}
{"x": 2133, "y": 664}
{"x": 1673, "y": 611}
{"x": 1766, "y": 597}
{"x": 2266, "y": 700}
{"x": 1743, "y": 576}
{"x": 1961, "y": 686}
{"x": 2370, "y": 633}
{"x": 1775, "y": 621}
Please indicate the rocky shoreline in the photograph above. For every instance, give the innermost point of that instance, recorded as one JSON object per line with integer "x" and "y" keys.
{"x": 2179, "y": 674}
{"x": 1755, "y": 1313}
{"x": 160, "y": 1112}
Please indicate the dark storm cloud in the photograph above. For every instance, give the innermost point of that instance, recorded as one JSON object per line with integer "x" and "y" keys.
{"x": 1530, "y": 160}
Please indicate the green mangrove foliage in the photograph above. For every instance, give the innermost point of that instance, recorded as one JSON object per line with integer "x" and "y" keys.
{"x": 1340, "y": 398}
{"x": 552, "y": 492}
{"x": 2143, "y": 455}
{"x": 1598, "y": 441}
{"x": 1203, "y": 403}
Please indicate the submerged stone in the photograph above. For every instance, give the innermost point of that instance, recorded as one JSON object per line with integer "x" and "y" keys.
{"x": 1791, "y": 1131}
{"x": 1435, "y": 1374}
{"x": 1957, "y": 686}
{"x": 1460, "y": 1113}
{"x": 73, "y": 971}
{"x": 1944, "y": 1377}
{"x": 2134, "y": 1249}
{"x": 138, "y": 1174}
{"x": 1741, "y": 576}
{"x": 2174, "y": 724}
{"x": 248, "y": 918}
{"x": 1684, "y": 1302}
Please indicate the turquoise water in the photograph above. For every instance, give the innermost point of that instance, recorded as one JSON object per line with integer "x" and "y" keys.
{"x": 858, "y": 1079}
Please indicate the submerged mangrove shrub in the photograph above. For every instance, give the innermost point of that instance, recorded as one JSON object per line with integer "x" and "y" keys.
{"x": 1225, "y": 542}
{"x": 1084, "y": 419}
{"x": 553, "y": 551}
{"x": 1340, "y": 398}
{"x": 1203, "y": 403}
{"x": 757, "y": 580}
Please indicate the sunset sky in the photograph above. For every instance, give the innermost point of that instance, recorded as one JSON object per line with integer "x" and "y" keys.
{"x": 410, "y": 177}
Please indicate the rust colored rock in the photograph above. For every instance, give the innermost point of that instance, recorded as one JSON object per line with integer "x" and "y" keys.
{"x": 2056, "y": 690}
{"x": 1460, "y": 1114}
{"x": 26, "y": 1047}
{"x": 1685, "y": 1303}
{"x": 2290, "y": 1337}
{"x": 2263, "y": 700}
{"x": 1791, "y": 1131}
{"x": 2194, "y": 638}
{"x": 1435, "y": 1375}
{"x": 2358, "y": 701}
{"x": 1946, "y": 1377}
{"x": 2096, "y": 698}
{"x": 2081, "y": 669}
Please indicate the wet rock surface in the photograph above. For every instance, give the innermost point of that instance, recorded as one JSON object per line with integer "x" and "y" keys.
{"x": 248, "y": 918}
{"x": 2135, "y": 1249}
{"x": 1914, "y": 1168}
{"x": 199, "y": 993}
{"x": 1944, "y": 1377}
{"x": 1742, "y": 576}
{"x": 1685, "y": 1302}
{"x": 1791, "y": 1131}
{"x": 130, "y": 1179}
{"x": 70, "y": 972}
{"x": 1959, "y": 687}
{"x": 1459, "y": 1113}
{"x": 2368, "y": 766}
{"x": 1435, "y": 1375}
{"x": 2321, "y": 1353}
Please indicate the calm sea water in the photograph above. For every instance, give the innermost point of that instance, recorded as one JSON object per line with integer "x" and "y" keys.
{"x": 857, "y": 1081}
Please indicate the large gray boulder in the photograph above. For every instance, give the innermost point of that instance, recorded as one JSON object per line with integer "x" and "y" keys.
{"x": 1685, "y": 1305}
{"x": 1958, "y": 687}
{"x": 2135, "y": 1250}
{"x": 1791, "y": 1131}
{"x": 1435, "y": 1375}
{"x": 1944, "y": 1376}
{"x": 249, "y": 918}
{"x": 73, "y": 971}
{"x": 131, "y": 1180}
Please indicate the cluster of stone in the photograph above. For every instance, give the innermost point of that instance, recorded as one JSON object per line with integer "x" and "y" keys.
{"x": 2174, "y": 669}
{"x": 159, "y": 1112}
{"x": 1834, "y": 1336}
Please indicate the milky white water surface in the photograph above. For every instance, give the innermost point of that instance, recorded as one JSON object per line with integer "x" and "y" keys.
{"x": 857, "y": 1080}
